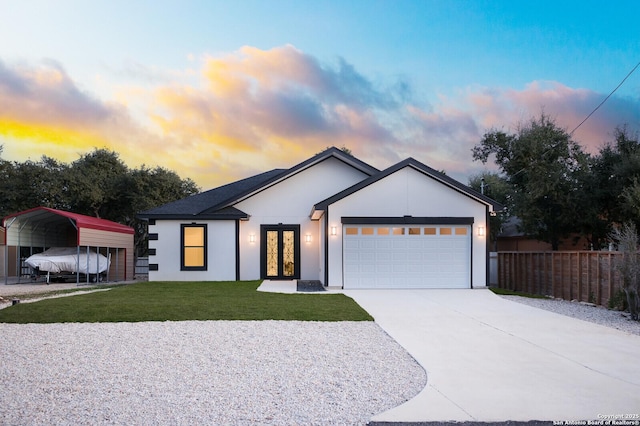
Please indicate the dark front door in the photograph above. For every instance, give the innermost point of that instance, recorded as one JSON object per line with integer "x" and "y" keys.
{"x": 280, "y": 252}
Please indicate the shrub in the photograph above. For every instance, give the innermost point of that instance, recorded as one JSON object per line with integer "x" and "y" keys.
{"x": 618, "y": 301}
{"x": 628, "y": 265}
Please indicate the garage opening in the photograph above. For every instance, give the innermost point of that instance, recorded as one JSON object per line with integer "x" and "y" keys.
{"x": 415, "y": 255}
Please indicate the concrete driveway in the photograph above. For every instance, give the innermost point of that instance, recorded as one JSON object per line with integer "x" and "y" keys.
{"x": 488, "y": 359}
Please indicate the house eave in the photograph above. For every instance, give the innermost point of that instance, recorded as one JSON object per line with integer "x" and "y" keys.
{"x": 316, "y": 214}
{"x": 194, "y": 217}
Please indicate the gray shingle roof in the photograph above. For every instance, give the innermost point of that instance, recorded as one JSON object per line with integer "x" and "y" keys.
{"x": 211, "y": 204}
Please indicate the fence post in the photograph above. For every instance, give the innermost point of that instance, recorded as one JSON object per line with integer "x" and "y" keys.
{"x": 553, "y": 277}
{"x": 589, "y": 277}
{"x": 610, "y": 279}
{"x": 578, "y": 271}
{"x": 531, "y": 282}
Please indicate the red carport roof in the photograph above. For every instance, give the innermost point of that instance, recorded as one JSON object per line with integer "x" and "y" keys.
{"x": 80, "y": 220}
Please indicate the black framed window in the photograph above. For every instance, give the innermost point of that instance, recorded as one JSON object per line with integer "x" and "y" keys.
{"x": 193, "y": 247}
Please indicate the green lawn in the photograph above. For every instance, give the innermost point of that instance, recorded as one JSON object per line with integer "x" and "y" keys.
{"x": 505, "y": 292}
{"x": 182, "y": 301}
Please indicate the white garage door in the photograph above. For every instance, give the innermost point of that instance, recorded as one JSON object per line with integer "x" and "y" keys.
{"x": 407, "y": 256}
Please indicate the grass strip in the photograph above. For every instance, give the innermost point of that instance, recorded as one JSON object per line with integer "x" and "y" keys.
{"x": 184, "y": 301}
{"x": 50, "y": 293}
{"x": 505, "y": 292}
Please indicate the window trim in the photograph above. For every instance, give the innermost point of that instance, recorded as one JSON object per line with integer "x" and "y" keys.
{"x": 183, "y": 226}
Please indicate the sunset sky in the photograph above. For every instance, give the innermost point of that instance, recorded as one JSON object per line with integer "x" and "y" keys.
{"x": 221, "y": 90}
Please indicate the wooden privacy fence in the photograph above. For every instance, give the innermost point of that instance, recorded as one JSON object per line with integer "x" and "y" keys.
{"x": 586, "y": 276}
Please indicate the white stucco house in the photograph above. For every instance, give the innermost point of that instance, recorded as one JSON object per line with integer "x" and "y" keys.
{"x": 331, "y": 218}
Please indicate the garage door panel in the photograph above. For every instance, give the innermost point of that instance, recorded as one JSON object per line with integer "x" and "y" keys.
{"x": 399, "y": 257}
{"x": 410, "y": 258}
{"x": 382, "y": 268}
{"x": 367, "y": 257}
{"x": 383, "y": 243}
{"x": 415, "y": 243}
{"x": 350, "y": 244}
{"x": 414, "y": 256}
{"x": 399, "y": 244}
{"x": 365, "y": 244}
{"x": 414, "y": 269}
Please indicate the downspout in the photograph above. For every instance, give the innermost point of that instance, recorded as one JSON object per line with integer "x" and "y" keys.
{"x": 471, "y": 254}
{"x": 237, "y": 249}
{"x": 487, "y": 247}
{"x": 326, "y": 247}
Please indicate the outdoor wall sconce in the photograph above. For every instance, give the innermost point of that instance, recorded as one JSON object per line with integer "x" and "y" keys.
{"x": 334, "y": 231}
{"x": 307, "y": 238}
{"x": 252, "y": 238}
{"x": 480, "y": 231}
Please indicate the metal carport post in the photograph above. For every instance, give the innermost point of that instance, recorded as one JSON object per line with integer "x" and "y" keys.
{"x": 6, "y": 252}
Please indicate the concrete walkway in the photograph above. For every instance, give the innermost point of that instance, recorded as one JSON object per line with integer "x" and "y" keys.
{"x": 269, "y": 286}
{"x": 488, "y": 359}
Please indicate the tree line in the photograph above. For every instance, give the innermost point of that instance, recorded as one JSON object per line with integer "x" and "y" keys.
{"x": 98, "y": 184}
{"x": 557, "y": 189}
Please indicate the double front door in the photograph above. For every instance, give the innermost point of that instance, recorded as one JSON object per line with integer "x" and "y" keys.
{"x": 280, "y": 252}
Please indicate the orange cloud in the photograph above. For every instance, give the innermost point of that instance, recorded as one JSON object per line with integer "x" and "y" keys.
{"x": 280, "y": 104}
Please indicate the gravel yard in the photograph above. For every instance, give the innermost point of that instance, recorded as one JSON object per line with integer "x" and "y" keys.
{"x": 194, "y": 372}
{"x": 595, "y": 314}
{"x": 217, "y": 372}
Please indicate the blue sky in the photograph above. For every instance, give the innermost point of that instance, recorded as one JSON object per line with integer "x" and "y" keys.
{"x": 221, "y": 90}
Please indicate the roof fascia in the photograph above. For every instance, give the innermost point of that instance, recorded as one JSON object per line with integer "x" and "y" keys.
{"x": 195, "y": 217}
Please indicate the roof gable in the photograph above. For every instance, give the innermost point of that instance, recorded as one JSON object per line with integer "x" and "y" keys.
{"x": 218, "y": 203}
{"x": 417, "y": 165}
{"x": 332, "y": 152}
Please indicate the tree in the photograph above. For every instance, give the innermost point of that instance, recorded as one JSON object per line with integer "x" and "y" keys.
{"x": 7, "y": 177}
{"x": 343, "y": 149}
{"x": 97, "y": 184}
{"x": 144, "y": 188}
{"x": 93, "y": 180}
{"x": 615, "y": 177}
{"x": 546, "y": 170}
{"x": 29, "y": 184}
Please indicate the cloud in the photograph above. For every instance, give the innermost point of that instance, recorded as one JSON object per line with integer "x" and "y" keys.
{"x": 568, "y": 106}
{"x": 43, "y": 111}
{"x": 253, "y": 110}
{"x": 45, "y": 94}
{"x": 281, "y": 103}
{"x": 453, "y": 126}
